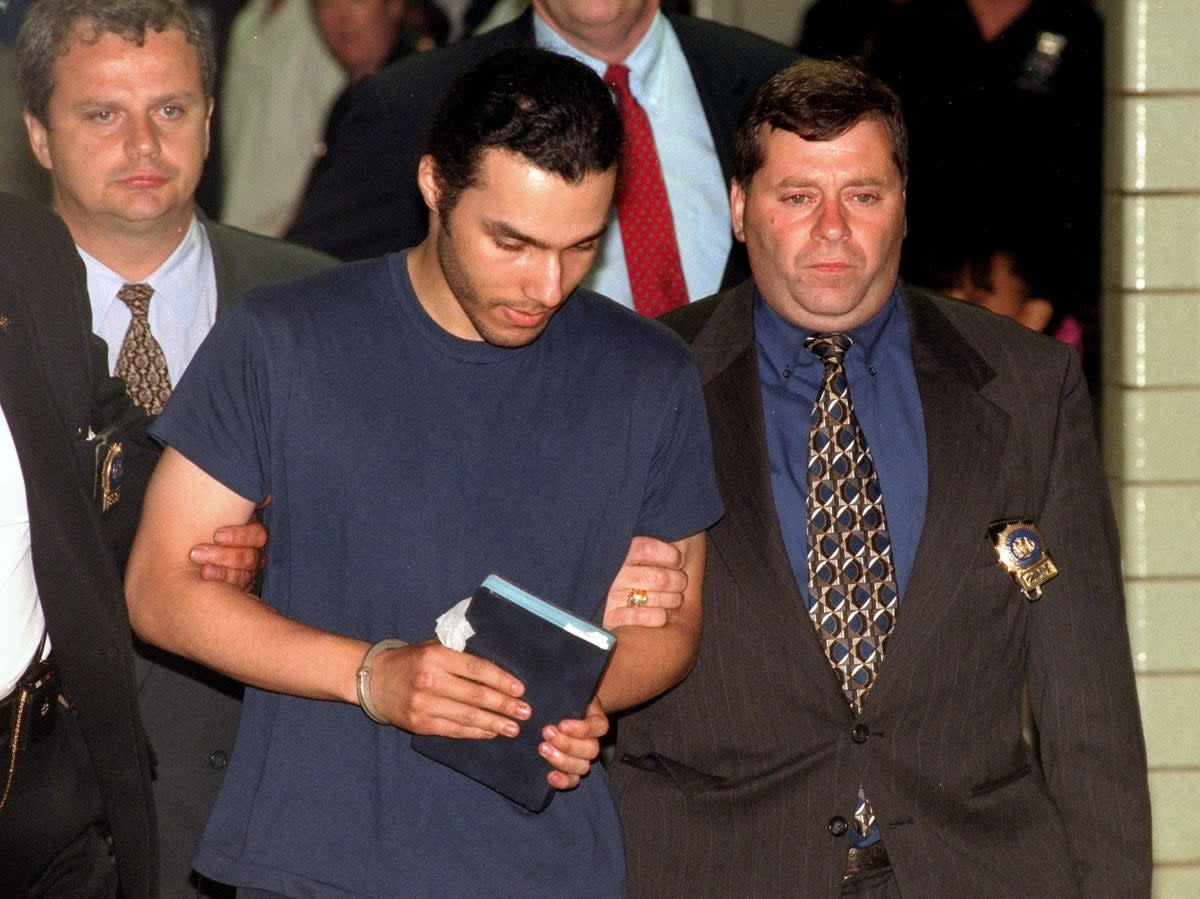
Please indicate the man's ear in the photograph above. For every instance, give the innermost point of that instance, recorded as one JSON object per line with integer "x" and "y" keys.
{"x": 427, "y": 182}
{"x": 208, "y": 125}
{"x": 737, "y": 209}
{"x": 38, "y": 140}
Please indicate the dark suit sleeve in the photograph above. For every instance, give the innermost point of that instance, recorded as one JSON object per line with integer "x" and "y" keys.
{"x": 1080, "y": 673}
{"x": 364, "y": 202}
{"x": 55, "y": 386}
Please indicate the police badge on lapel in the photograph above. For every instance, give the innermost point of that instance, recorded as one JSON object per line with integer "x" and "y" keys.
{"x": 1021, "y": 550}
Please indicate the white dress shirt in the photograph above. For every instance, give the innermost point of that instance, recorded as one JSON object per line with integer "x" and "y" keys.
{"x": 21, "y": 618}
{"x": 661, "y": 81}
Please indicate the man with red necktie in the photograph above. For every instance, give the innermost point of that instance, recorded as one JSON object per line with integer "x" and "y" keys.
{"x": 668, "y": 238}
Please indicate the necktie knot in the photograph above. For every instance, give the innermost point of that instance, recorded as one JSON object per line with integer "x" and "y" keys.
{"x": 617, "y": 78}
{"x": 829, "y": 348}
{"x": 137, "y": 298}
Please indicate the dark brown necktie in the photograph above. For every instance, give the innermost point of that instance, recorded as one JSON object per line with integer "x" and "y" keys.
{"x": 647, "y": 230}
{"x": 141, "y": 362}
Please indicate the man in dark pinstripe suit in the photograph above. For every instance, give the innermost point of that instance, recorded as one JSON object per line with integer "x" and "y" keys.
{"x": 742, "y": 780}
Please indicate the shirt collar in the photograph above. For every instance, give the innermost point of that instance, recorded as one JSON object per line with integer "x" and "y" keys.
{"x": 185, "y": 259}
{"x": 781, "y": 343}
{"x": 646, "y": 63}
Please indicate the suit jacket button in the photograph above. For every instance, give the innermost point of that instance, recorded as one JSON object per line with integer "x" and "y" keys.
{"x": 860, "y": 734}
{"x": 837, "y": 826}
{"x": 217, "y": 760}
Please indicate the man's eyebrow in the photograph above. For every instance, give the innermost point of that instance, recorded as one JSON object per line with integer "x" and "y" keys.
{"x": 868, "y": 181}
{"x": 593, "y": 237}
{"x": 864, "y": 181}
{"x": 175, "y": 97}
{"x": 161, "y": 100}
{"x": 505, "y": 229}
{"x": 794, "y": 182}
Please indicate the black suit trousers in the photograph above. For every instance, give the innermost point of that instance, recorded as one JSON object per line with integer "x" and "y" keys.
{"x": 53, "y": 839}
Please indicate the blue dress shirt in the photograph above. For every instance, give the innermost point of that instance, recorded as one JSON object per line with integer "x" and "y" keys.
{"x": 883, "y": 386}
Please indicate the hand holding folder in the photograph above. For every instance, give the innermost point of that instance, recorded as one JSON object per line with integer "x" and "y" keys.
{"x": 556, "y": 655}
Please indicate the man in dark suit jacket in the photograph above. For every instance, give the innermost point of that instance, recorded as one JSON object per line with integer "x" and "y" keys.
{"x": 125, "y": 147}
{"x": 743, "y": 780}
{"x": 364, "y": 201}
{"x": 55, "y": 392}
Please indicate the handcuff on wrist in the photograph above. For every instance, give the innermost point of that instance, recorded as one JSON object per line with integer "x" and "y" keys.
{"x": 363, "y": 677}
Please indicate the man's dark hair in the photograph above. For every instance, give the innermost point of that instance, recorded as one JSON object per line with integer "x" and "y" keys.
{"x": 816, "y": 100}
{"x": 553, "y": 111}
{"x": 52, "y": 26}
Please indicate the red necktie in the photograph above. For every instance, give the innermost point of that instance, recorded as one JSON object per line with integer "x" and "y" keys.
{"x": 651, "y": 253}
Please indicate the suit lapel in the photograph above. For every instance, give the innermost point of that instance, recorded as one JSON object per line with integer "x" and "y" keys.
{"x": 749, "y": 540}
{"x": 965, "y": 435}
{"x": 226, "y": 292}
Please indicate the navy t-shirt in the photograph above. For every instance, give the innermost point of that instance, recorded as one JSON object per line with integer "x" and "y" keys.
{"x": 405, "y": 465}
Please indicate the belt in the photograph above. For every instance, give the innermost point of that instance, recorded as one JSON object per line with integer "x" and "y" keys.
{"x": 43, "y": 694}
{"x": 866, "y": 861}
{"x": 23, "y": 680}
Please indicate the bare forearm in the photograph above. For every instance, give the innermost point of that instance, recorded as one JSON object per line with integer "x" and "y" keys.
{"x": 216, "y": 623}
{"x": 236, "y": 634}
{"x": 645, "y": 663}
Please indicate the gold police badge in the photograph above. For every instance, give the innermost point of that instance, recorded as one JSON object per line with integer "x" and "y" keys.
{"x": 110, "y": 467}
{"x": 1021, "y": 550}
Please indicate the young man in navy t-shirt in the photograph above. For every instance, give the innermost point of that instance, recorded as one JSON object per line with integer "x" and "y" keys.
{"x": 420, "y": 421}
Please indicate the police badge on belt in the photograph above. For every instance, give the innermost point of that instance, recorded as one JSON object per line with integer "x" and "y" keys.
{"x": 1021, "y": 551}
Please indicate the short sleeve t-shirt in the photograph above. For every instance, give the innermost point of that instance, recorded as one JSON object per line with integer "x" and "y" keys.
{"x": 404, "y": 466}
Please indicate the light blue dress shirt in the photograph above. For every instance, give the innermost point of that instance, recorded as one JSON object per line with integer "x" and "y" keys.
{"x": 182, "y": 309}
{"x": 661, "y": 81}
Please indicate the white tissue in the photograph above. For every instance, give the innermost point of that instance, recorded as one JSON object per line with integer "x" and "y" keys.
{"x": 453, "y": 629}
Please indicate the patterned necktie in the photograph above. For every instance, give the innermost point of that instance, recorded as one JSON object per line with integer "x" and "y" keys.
{"x": 651, "y": 251}
{"x": 851, "y": 580}
{"x": 141, "y": 362}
